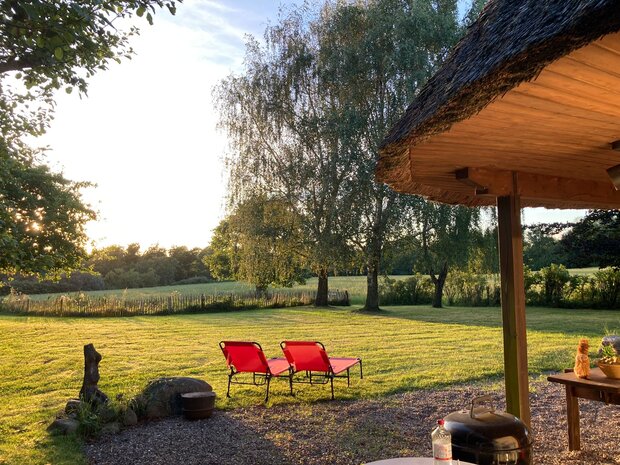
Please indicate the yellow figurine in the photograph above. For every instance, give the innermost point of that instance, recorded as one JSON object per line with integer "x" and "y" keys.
{"x": 582, "y": 361}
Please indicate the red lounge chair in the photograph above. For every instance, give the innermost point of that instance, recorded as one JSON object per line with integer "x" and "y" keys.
{"x": 312, "y": 358}
{"x": 248, "y": 357}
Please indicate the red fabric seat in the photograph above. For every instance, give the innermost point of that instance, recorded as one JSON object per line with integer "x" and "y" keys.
{"x": 311, "y": 357}
{"x": 248, "y": 357}
{"x": 341, "y": 364}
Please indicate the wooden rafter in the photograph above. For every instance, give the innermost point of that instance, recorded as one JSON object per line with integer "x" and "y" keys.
{"x": 498, "y": 183}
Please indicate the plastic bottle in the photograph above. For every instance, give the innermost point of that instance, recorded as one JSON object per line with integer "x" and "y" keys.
{"x": 442, "y": 445}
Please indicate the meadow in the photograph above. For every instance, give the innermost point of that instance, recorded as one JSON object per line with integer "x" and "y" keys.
{"x": 355, "y": 285}
{"x": 403, "y": 348}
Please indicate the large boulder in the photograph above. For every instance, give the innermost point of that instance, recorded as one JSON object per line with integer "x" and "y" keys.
{"x": 162, "y": 397}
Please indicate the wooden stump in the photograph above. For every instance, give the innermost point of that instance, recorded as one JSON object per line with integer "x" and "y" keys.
{"x": 90, "y": 392}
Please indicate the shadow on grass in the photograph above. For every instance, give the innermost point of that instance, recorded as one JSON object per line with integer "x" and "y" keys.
{"x": 553, "y": 320}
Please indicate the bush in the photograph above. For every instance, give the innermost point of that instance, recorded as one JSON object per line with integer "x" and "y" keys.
{"x": 607, "y": 285}
{"x": 68, "y": 282}
{"x": 471, "y": 289}
{"x": 129, "y": 279}
{"x": 554, "y": 279}
{"x": 194, "y": 280}
{"x": 415, "y": 290}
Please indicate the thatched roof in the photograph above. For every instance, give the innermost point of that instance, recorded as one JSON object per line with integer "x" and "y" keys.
{"x": 510, "y": 43}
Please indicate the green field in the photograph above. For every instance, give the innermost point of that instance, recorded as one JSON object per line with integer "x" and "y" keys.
{"x": 405, "y": 348}
{"x": 356, "y": 285}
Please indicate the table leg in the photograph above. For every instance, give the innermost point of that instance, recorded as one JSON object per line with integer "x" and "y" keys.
{"x": 572, "y": 414}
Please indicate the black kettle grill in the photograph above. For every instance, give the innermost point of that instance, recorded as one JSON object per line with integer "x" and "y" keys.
{"x": 484, "y": 436}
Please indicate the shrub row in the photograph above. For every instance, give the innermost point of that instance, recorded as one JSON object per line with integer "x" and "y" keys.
{"x": 552, "y": 286}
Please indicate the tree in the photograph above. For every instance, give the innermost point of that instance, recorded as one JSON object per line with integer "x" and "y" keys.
{"x": 219, "y": 255}
{"x": 46, "y": 46}
{"x": 378, "y": 54}
{"x": 259, "y": 245}
{"x": 446, "y": 235}
{"x": 54, "y": 45}
{"x": 540, "y": 249}
{"x": 42, "y": 217}
{"x": 280, "y": 115}
{"x": 594, "y": 240}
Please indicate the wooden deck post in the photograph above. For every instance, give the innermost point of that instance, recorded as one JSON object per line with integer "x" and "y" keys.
{"x": 513, "y": 304}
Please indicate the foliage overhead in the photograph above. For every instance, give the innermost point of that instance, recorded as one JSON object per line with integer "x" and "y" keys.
{"x": 42, "y": 217}
{"x": 47, "y": 46}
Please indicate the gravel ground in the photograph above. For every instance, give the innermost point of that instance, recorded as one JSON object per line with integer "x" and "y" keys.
{"x": 353, "y": 432}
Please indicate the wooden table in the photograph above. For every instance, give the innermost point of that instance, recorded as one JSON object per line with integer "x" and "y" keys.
{"x": 596, "y": 387}
{"x": 413, "y": 461}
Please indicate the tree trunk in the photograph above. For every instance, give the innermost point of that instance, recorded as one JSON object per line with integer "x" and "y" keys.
{"x": 439, "y": 281}
{"x": 322, "y": 290}
{"x": 372, "y": 287}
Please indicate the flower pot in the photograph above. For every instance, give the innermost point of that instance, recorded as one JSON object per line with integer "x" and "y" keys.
{"x": 611, "y": 371}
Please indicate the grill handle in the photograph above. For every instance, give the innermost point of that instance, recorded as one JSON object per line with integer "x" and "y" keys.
{"x": 479, "y": 400}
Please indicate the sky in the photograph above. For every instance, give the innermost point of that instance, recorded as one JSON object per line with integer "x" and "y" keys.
{"x": 146, "y": 133}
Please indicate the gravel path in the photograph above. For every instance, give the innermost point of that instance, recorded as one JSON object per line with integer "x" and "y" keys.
{"x": 350, "y": 433}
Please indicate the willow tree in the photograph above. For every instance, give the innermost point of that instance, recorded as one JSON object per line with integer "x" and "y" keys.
{"x": 378, "y": 54}
{"x": 282, "y": 115}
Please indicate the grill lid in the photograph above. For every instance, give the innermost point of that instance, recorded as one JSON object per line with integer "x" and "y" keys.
{"x": 484, "y": 429}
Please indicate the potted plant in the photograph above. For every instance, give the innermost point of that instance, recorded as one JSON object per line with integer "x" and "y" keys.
{"x": 609, "y": 363}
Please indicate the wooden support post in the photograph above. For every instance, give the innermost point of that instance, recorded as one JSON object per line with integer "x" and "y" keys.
{"x": 513, "y": 304}
{"x": 572, "y": 415}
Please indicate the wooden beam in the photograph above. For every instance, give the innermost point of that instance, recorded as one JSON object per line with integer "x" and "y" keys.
{"x": 531, "y": 186}
{"x": 513, "y": 304}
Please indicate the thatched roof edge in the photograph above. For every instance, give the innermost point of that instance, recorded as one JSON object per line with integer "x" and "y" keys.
{"x": 510, "y": 43}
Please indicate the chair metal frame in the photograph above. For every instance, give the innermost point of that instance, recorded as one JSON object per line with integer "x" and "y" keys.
{"x": 258, "y": 378}
{"x": 325, "y": 377}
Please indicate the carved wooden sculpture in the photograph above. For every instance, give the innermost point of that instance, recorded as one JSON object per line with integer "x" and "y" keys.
{"x": 90, "y": 392}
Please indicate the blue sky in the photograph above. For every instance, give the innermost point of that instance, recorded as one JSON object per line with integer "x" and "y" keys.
{"x": 146, "y": 134}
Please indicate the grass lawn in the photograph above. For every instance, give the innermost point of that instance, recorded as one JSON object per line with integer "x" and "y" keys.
{"x": 406, "y": 348}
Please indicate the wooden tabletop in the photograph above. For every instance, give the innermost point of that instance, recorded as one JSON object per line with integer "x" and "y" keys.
{"x": 596, "y": 380}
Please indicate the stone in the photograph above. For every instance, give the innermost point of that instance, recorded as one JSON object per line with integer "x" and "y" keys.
{"x": 106, "y": 414}
{"x": 130, "y": 418}
{"x": 74, "y": 406}
{"x": 64, "y": 426}
{"x": 611, "y": 340}
{"x": 163, "y": 396}
{"x": 111, "y": 428}
{"x": 90, "y": 392}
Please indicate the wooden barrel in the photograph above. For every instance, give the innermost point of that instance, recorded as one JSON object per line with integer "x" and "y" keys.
{"x": 198, "y": 405}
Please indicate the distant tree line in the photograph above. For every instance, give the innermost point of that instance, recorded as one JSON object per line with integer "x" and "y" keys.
{"x": 593, "y": 241}
{"x": 117, "y": 267}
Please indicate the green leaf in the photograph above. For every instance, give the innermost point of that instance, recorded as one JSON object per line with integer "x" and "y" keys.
{"x": 149, "y": 18}
{"x": 58, "y": 53}
{"x": 140, "y": 11}
{"x": 18, "y": 76}
{"x": 69, "y": 89}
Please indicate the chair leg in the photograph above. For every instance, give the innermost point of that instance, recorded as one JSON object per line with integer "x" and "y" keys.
{"x": 228, "y": 390}
{"x": 361, "y": 371}
{"x": 290, "y": 381}
{"x": 332, "y": 383}
{"x": 267, "y": 395}
{"x": 348, "y": 377}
